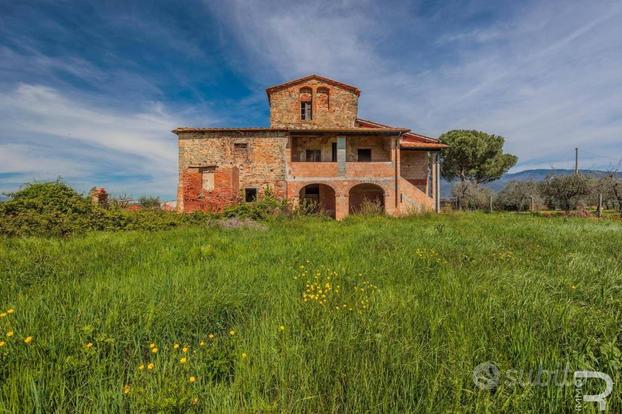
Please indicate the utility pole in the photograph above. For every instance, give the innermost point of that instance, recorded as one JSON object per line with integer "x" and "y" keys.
{"x": 531, "y": 206}
{"x": 576, "y": 161}
{"x": 599, "y": 210}
{"x": 491, "y": 203}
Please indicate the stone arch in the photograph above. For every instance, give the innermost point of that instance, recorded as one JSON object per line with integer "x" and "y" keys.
{"x": 319, "y": 198}
{"x": 366, "y": 196}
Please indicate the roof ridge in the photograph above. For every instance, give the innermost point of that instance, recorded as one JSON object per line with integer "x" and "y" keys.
{"x": 274, "y": 88}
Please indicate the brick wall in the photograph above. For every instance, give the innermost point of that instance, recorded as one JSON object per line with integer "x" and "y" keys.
{"x": 414, "y": 168}
{"x": 333, "y": 106}
{"x": 259, "y": 163}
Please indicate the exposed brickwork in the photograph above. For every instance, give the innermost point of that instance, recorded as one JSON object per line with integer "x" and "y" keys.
{"x": 333, "y": 107}
{"x": 217, "y": 164}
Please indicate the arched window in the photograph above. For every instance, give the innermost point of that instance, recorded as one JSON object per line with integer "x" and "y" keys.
{"x": 323, "y": 99}
{"x": 306, "y": 104}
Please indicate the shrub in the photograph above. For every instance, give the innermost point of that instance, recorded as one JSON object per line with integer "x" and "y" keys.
{"x": 471, "y": 196}
{"x": 517, "y": 196}
{"x": 565, "y": 191}
{"x": 149, "y": 202}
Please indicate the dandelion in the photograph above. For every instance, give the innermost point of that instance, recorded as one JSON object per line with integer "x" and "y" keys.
{"x": 202, "y": 343}
{"x": 183, "y": 360}
{"x": 192, "y": 379}
{"x": 232, "y": 332}
{"x": 3, "y": 314}
{"x": 244, "y": 355}
{"x": 185, "y": 349}
{"x": 195, "y": 401}
{"x": 175, "y": 346}
{"x": 150, "y": 366}
{"x": 573, "y": 287}
{"x": 152, "y": 345}
{"x": 154, "y": 350}
{"x": 88, "y": 345}
{"x": 28, "y": 340}
{"x": 2, "y": 343}
{"x": 126, "y": 389}
{"x": 10, "y": 311}
{"x": 10, "y": 334}
{"x": 141, "y": 367}
{"x": 210, "y": 337}
{"x": 282, "y": 328}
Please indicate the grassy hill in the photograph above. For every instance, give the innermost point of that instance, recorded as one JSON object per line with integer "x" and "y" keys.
{"x": 366, "y": 315}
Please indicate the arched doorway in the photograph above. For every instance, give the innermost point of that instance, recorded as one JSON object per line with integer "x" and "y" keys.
{"x": 318, "y": 198}
{"x": 366, "y": 199}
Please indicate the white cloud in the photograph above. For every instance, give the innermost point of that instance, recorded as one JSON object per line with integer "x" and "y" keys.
{"x": 548, "y": 78}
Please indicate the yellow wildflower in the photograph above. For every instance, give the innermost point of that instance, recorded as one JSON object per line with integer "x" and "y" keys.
{"x": 89, "y": 345}
{"x": 152, "y": 345}
{"x": 10, "y": 311}
{"x": 2, "y": 315}
{"x": 28, "y": 340}
{"x": 282, "y": 328}
{"x": 175, "y": 346}
{"x": 154, "y": 350}
{"x": 183, "y": 360}
{"x": 232, "y": 332}
{"x": 210, "y": 336}
{"x": 126, "y": 389}
{"x": 141, "y": 367}
{"x": 150, "y": 366}
{"x": 192, "y": 379}
{"x": 185, "y": 349}
{"x": 2, "y": 343}
{"x": 195, "y": 401}
{"x": 573, "y": 287}
{"x": 10, "y": 334}
{"x": 202, "y": 343}
{"x": 244, "y": 355}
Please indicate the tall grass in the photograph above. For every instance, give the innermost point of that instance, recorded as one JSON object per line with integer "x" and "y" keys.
{"x": 373, "y": 314}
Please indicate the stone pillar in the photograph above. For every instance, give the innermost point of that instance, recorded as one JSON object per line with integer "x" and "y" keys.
{"x": 341, "y": 155}
{"x": 342, "y": 206}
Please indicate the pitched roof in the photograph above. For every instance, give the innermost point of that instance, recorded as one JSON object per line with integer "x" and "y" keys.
{"x": 410, "y": 140}
{"x": 302, "y": 131}
{"x": 317, "y": 77}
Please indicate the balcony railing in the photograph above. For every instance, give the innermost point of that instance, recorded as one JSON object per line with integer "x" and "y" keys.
{"x": 376, "y": 169}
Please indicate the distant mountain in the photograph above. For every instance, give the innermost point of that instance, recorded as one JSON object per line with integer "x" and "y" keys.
{"x": 527, "y": 175}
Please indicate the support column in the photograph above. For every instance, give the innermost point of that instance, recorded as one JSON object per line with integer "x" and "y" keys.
{"x": 437, "y": 183}
{"x": 341, "y": 155}
{"x": 342, "y": 206}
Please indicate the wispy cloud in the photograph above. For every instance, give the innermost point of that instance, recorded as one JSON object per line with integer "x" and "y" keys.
{"x": 546, "y": 76}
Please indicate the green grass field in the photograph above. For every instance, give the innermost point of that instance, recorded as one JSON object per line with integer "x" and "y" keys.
{"x": 366, "y": 315}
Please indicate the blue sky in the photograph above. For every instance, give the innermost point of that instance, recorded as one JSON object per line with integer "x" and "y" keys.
{"x": 90, "y": 90}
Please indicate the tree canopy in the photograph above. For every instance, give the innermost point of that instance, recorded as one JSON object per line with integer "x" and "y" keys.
{"x": 474, "y": 156}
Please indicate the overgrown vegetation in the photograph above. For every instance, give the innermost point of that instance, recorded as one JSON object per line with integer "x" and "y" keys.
{"x": 291, "y": 319}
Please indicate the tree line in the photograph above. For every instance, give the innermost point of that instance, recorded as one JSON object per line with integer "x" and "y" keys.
{"x": 474, "y": 158}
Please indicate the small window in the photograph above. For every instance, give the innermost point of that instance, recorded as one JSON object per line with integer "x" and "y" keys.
{"x": 250, "y": 195}
{"x": 305, "y": 111}
{"x": 364, "y": 154}
{"x": 313, "y": 155}
{"x": 240, "y": 146}
{"x": 207, "y": 177}
{"x": 333, "y": 154}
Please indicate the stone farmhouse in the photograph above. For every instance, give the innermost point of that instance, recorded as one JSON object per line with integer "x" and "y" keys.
{"x": 316, "y": 149}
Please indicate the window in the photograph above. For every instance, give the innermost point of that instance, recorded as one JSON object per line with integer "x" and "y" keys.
{"x": 364, "y": 154}
{"x": 333, "y": 154}
{"x": 207, "y": 177}
{"x": 305, "y": 111}
{"x": 306, "y": 104}
{"x": 313, "y": 155}
{"x": 250, "y": 195}
{"x": 240, "y": 149}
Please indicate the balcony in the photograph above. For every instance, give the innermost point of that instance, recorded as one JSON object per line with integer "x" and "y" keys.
{"x": 375, "y": 169}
